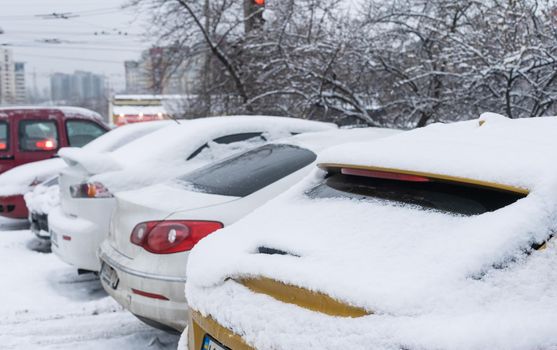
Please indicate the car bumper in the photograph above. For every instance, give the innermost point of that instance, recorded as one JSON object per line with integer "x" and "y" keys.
{"x": 160, "y": 299}
{"x": 39, "y": 225}
{"x": 201, "y": 327}
{"x": 75, "y": 240}
{"x": 13, "y": 207}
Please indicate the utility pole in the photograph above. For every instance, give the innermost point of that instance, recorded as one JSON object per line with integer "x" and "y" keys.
{"x": 253, "y": 13}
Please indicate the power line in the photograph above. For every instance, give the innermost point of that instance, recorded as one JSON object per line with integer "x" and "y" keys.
{"x": 65, "y": 58}
{"x": 65, "y": 47}
{"x": 66, "y": 15}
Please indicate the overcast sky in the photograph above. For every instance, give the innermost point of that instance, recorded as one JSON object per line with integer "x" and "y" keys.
{"x": 95, "y": 40}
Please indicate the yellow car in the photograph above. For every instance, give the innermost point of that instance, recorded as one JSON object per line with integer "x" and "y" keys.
{"x": 430, "y": 239}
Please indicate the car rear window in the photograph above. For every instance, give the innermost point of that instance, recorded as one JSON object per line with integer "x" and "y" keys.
{"x": 4, "y": 136}
{"x": 448, "y": 197}
{"x": 244, "y": 174}
{"x": 38, "y": 135}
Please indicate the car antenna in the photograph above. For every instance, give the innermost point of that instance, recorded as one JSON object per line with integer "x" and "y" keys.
{"x": 174, "y": 118}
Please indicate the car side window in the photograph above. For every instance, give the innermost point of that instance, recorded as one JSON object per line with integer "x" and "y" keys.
{"x": 38, "y": 135}
{"x": 81, "y": 132}
{"x": 4, "y": 136}
{"x": 228, "y": 139}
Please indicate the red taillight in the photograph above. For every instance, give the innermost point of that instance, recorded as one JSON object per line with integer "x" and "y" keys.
{"x": 384, "y": 175}
{"x": 46, "y": 145}
{"x": 3, "y": 146}
{"x": 90, "y": 190}
{"x": 167, "y": 237}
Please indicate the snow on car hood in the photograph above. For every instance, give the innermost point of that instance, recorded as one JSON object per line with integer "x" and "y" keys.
{"x": 19, "y": 179}
{"x": 429, "y": 277}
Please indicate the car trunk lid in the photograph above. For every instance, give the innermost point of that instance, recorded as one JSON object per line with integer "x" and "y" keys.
{"x": 154, "y": 203}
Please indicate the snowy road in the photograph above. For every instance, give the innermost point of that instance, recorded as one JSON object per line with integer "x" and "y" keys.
{"x": 44, "y": 304}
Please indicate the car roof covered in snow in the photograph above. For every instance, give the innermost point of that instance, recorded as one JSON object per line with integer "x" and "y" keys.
{"x": 411, "y": 269}
{"x": 190, "y": 135}
{"x": 317, "y": 141}
{"x": 493, "y": 149}
{"x": 68, "y": 111}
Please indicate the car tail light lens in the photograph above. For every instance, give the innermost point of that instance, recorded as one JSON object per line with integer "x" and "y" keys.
{"x": 46, "y": 145}
{"x": 173, "y": 236}
{"x": 90, "y": 190}
{"x": 384, "y": 175}
{"x": 3, "y": 146}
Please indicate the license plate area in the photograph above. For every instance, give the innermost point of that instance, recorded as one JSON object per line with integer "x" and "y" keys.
{"x": 109, "y": 276}
{"x": 211, "y": 344}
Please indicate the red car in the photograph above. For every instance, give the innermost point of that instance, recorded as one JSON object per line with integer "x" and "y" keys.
{"x": 31, "y": 134}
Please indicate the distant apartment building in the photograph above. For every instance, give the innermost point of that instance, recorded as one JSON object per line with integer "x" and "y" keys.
{"x": 76, "y": 87}
{"x": 20, "y": 86}
{"x": 163, "y": 70}
{"x": 7, "y": 77}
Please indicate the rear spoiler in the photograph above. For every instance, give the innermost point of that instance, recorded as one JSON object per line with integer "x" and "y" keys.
{"x": 92, "y": 162}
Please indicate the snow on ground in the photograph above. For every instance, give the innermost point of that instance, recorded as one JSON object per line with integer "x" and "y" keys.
{"x": 46, "y": 305}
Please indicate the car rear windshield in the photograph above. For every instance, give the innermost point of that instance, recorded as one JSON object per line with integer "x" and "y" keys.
{"x": 4, "y": 136}
{"x": 448, "y": 197}
{"x": 241, "y": 175}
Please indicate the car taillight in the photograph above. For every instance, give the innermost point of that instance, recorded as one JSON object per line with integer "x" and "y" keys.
{"x": 173, "y": 236}
{"x": 387, "y": 175}
{"x": 90, "y": 190}
{"x": 3, "y": 146}
{"x": 46, "y": 145}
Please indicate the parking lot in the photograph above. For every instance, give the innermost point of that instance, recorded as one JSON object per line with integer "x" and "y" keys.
{"x": 50, "y": 307}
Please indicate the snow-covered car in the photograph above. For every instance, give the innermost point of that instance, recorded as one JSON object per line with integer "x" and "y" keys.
{"x": 81, "y": 223}
{"x": 431, "y": 239}
{"x": 40, "y": 200}
{"x": 145, "y": 256}
{"x": 37, "y": 182}
{"x": 17, "y": 181}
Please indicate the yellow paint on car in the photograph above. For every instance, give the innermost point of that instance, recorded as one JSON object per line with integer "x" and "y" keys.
{"x": 199, "y": 326}
{"x": 302, "y": 297}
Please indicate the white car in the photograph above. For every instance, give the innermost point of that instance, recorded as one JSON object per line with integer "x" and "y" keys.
{"x": 153, "y": 230}
{"x": 438, "y": 238}
{"x": 43, "y": 195}
{"x": 82, "y": 221}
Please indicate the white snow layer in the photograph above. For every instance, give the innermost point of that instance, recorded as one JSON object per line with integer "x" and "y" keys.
{"x": 163, "y": 154}
{"x": 42, "y": 199}
{"x": 19, "y": 179}
{"x": 93, "y": 156}
{"x": 47, "y": 306}
{"x": 428, "y": 277}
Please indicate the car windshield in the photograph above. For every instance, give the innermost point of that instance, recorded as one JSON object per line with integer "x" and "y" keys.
{"x": 241, "y": 175}
{"x": 451, "y": 197}
{"x": 3, "y": 136}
